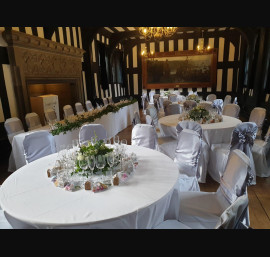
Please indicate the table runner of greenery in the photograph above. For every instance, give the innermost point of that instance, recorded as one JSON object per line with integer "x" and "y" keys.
{"x": 77, "y": 121}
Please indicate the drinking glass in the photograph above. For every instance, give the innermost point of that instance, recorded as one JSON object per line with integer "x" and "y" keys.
{"x": 100, "y": 162}
{"x": 91, "y": 159}
{"x": 83, "y": 164}
{"x": 124, "y": 145}
{"x": 75, "y": 144}
{"x": 116, "y": 140}
{"x": 110, "y": 159}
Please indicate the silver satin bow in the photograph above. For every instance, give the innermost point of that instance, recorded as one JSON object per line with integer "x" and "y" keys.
{"x": 218, "y": 105}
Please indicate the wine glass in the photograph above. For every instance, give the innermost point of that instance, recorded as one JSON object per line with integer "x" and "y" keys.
{"x": 116, "y": 140}
{"x": 83, "y": 163}
{"x": 100, "y": 162}
{"x": 108, "y": 142}
{"x": 124, "y": 145}
{"x": 91, "y": 163}
{"x": 110, "y": 159}
{"x": 75, "y": 144}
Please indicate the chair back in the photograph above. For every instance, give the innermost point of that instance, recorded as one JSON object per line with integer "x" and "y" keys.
{"x": 166, "y": 103}
{"x": 234, "y": 180}
{"x": 79, "y": 108}
{"x": 156, "y": 96}
{"x": 235, "y": 100}
{"x": 144, "y": 135}
{"x": 144, "y": 101}
{"x": 50, "y": 115}
{"x": 68, "y": 111}
{"x": 206, "y": 105}
{"x": 231, "y": 110}
{"x": 172, "y": 109}
{"x": 88, "y": 131}
{"x": 149, "y": 120}
{"x": 156, "y": 104}
{"x": 234, "y": 215}
{"x": 172, "y": 97}
{"x": 257, "y": 115}
{"x": 186, "y": 124}
{"x": 227, "y": 100}
{"x": 189, "y": 104}
{"x": 13, "y": 126}
{"x": 176, "y": 92}
{"x": 32, "y": 121}
{"x": 105, "y": 101}
{"x": 38, "y": 144}
{"x": 192, "y": 93}
{"x": 181, "y": 98}
{"x": 151, "y": 96}
{"x": 88, "y": 105}
{"x": 188, "y": 151}
{"x": 217, "y": 104}
{"x": 211, "y": 97}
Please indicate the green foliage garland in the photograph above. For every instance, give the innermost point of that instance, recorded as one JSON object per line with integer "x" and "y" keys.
{"x": 81, "y": 119}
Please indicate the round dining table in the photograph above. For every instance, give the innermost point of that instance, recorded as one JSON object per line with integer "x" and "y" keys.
{"x": 213, "y": 133}
{"x": 30, "y": 199}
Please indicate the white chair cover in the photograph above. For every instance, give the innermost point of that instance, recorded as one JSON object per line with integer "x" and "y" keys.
{"x": 32, "y": 121}
{"x": 156, "y": 104}
{"x": 243, "y": 137}
{"x": 149, "y": 120}
{"x": 189, "y": 104}
{"x": 261, "y": 155}
{"x": 235, "y": 100}
{"x": 227, "y": 100}
{"x": 105, "y": 101}
{"x": 144, "y": 135}
{"x": 151, "y": 96}
{"x": 181, "y": 98}
{"x": 217, "y": 104}
{"x": 88, "y": 131}
{"x": 50, "y": 115}
{"x": 206, "y": 105}
{"x": 136, "y": 119}
{"x": 13, "y": 126}
{"x": 144, "y": 101}
{"x": 79, "y": 108}
{"x": 192, "y": 93}
{"x": 172, "y": 109}
{"x": 166, "y": 103}
{"x": 202, "y": 210}
{"x": 38, "y": 144}
{"x": 187, "y": 155}
{"x": 211, "y": 97}
{"x": 234, "y": 215}
{"x": 110, "y": 100}
{"x": 176, "y": 92}
{"x": 68, "y": 111}
{"x": 231, "y": 110}
{"x": 88, "y": 105}
{"x": 257, "y": 115}
{"x": 172, "y": 98}
{"x": 204, "y": 156}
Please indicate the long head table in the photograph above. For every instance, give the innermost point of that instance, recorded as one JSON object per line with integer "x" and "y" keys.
{"x": 30, "y": 200}
{"x": 113, "y": 123}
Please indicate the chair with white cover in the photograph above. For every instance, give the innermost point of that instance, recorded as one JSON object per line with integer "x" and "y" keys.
{"x": 105, "y": 101}
{"x": 231, "y": 218}
{"x": 38, "y": 144}
{"x": 172, "y": 97}
{"x": 176, "y": 92}
{"x": 145, "y": 102}
{"x": 156, "y": 96}
{"x": 231, "y": 110}
{"x": 189, "y": 104}
{"x": 217, "y": 104}
{"x": 211, "y": 97}
{"x": 235, "y": 100}
{"x": 50, "y": 115}
{"x": 87, "y": 131}
{"x": 32, "y": 121}
{"x": 187, "y": 154}
{"x": 181, "y": 98}
{"x": 149, "y": 120}
{"x": 13, "y": 126}
{"x": 243, "y": 137}
{"x": 110, "y": 100}
{"x": 68, "y": 111}
{"x": 172, "y": 109}
{"x": 202, "y": 210}
{"x": 257, "y": 115}
{"x": 144, "y": 135}
{"x": 166, "y": 103}
{"x": 151, "y": 97}
{"x": 136, "y": 119}
{"x": 192, "y": 93}
{"x": 89, "y": 105}
{"x": 227, "y": 100}
{"x": 152, "y": 111}
{"x": 79, "y": 108}
{"x": 206, "y": 105}
{"x": 261, "y": 155}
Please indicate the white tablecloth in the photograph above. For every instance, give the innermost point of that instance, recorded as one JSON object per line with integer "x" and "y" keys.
{"x": 214, "y": 133}
{"x": 31, "y": 200}
{"x": 113, "y": 123}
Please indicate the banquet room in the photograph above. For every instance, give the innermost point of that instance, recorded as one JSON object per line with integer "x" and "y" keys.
{"x": 134, "y": 127}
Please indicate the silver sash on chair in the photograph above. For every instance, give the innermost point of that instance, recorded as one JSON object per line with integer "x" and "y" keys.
{"x": 152, "y": 111}
{"x": 193, "y": 125}
{"x": 243, "y": 139}
{"x": 217, "y": 104}
{"x": 172, "y": 109}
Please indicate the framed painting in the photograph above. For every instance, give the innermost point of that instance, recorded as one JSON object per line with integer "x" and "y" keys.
{"x": 180, "y": 69}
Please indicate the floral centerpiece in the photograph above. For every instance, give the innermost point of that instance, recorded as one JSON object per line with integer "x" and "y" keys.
{"x": 167, "y": 93}
{"x": 201, "y": 115}
{"x": 193, "y": 97}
